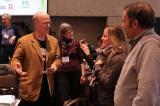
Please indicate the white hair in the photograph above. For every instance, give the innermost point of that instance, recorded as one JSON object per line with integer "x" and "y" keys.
{"x": 6, "y": 15}
{"x": 65, "y": 26}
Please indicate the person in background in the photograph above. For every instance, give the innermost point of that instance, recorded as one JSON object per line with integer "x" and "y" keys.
{"x": 9, "y": 34}
{"x": 89, "y": 52}
{"x": 139, "y": 81}
{"x": 89, "y": 57}
{"x": 109, "y": 64}
{"x": 72, "y": 70}
{"x": 35, "y": 60}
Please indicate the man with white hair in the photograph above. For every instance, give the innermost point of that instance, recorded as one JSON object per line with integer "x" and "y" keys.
{"x": 35, "y": 60}
{"x": 9, "y": 35}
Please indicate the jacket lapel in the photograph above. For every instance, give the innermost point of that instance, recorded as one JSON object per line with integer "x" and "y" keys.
{"x": 48, "y": 48}
{"x": 37, "y": 47}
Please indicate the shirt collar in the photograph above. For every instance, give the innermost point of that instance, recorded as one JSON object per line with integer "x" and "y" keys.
{"x": 9, "y": 27}
{"x": 135, "y": 40}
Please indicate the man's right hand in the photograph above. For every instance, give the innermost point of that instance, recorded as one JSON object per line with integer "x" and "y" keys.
{"x": 85, "y": 48}
{"x": 19, "y": 71}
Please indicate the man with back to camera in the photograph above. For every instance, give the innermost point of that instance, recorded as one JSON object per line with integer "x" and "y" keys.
{"x": 139, "y": 81}
{"x": 9, "y": 35}
{"x": 35, "y": 60}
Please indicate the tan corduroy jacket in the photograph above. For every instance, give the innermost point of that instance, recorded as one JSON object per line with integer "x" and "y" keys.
{"x": 28, "y": 53}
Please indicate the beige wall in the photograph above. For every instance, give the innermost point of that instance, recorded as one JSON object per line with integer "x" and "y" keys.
{"x": 84, "y": 27}
{"x": 93, "y": 7}
{"x": 88, "y": 17}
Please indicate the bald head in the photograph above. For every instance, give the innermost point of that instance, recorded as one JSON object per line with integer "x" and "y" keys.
{"x": 39, "y": 15}
{"x": 42, "y": 23}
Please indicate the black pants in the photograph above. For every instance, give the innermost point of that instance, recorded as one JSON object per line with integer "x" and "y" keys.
{"x": 44, "y": 97}
{"x": 105, "y": 96}
{"x": 67, "y": 85}
{"x": 4, "y": 57}
{"x": 6, "y": 51}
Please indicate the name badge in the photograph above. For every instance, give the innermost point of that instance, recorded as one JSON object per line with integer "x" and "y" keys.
{"x": 65, "y": 59}
{"x": 6, "y": 36}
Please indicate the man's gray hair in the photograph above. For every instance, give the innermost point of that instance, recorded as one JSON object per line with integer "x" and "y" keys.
{"x": 65, "y": 26}
{"x": 6, "y": 15}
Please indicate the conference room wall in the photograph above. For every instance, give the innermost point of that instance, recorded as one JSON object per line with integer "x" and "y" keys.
{"x": 89, "y": 28}
{"x": 93, "y": 7}
{"x": 88, "y": 17}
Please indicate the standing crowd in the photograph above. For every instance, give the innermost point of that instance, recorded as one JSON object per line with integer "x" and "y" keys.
{"x": 54, "y": 71}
